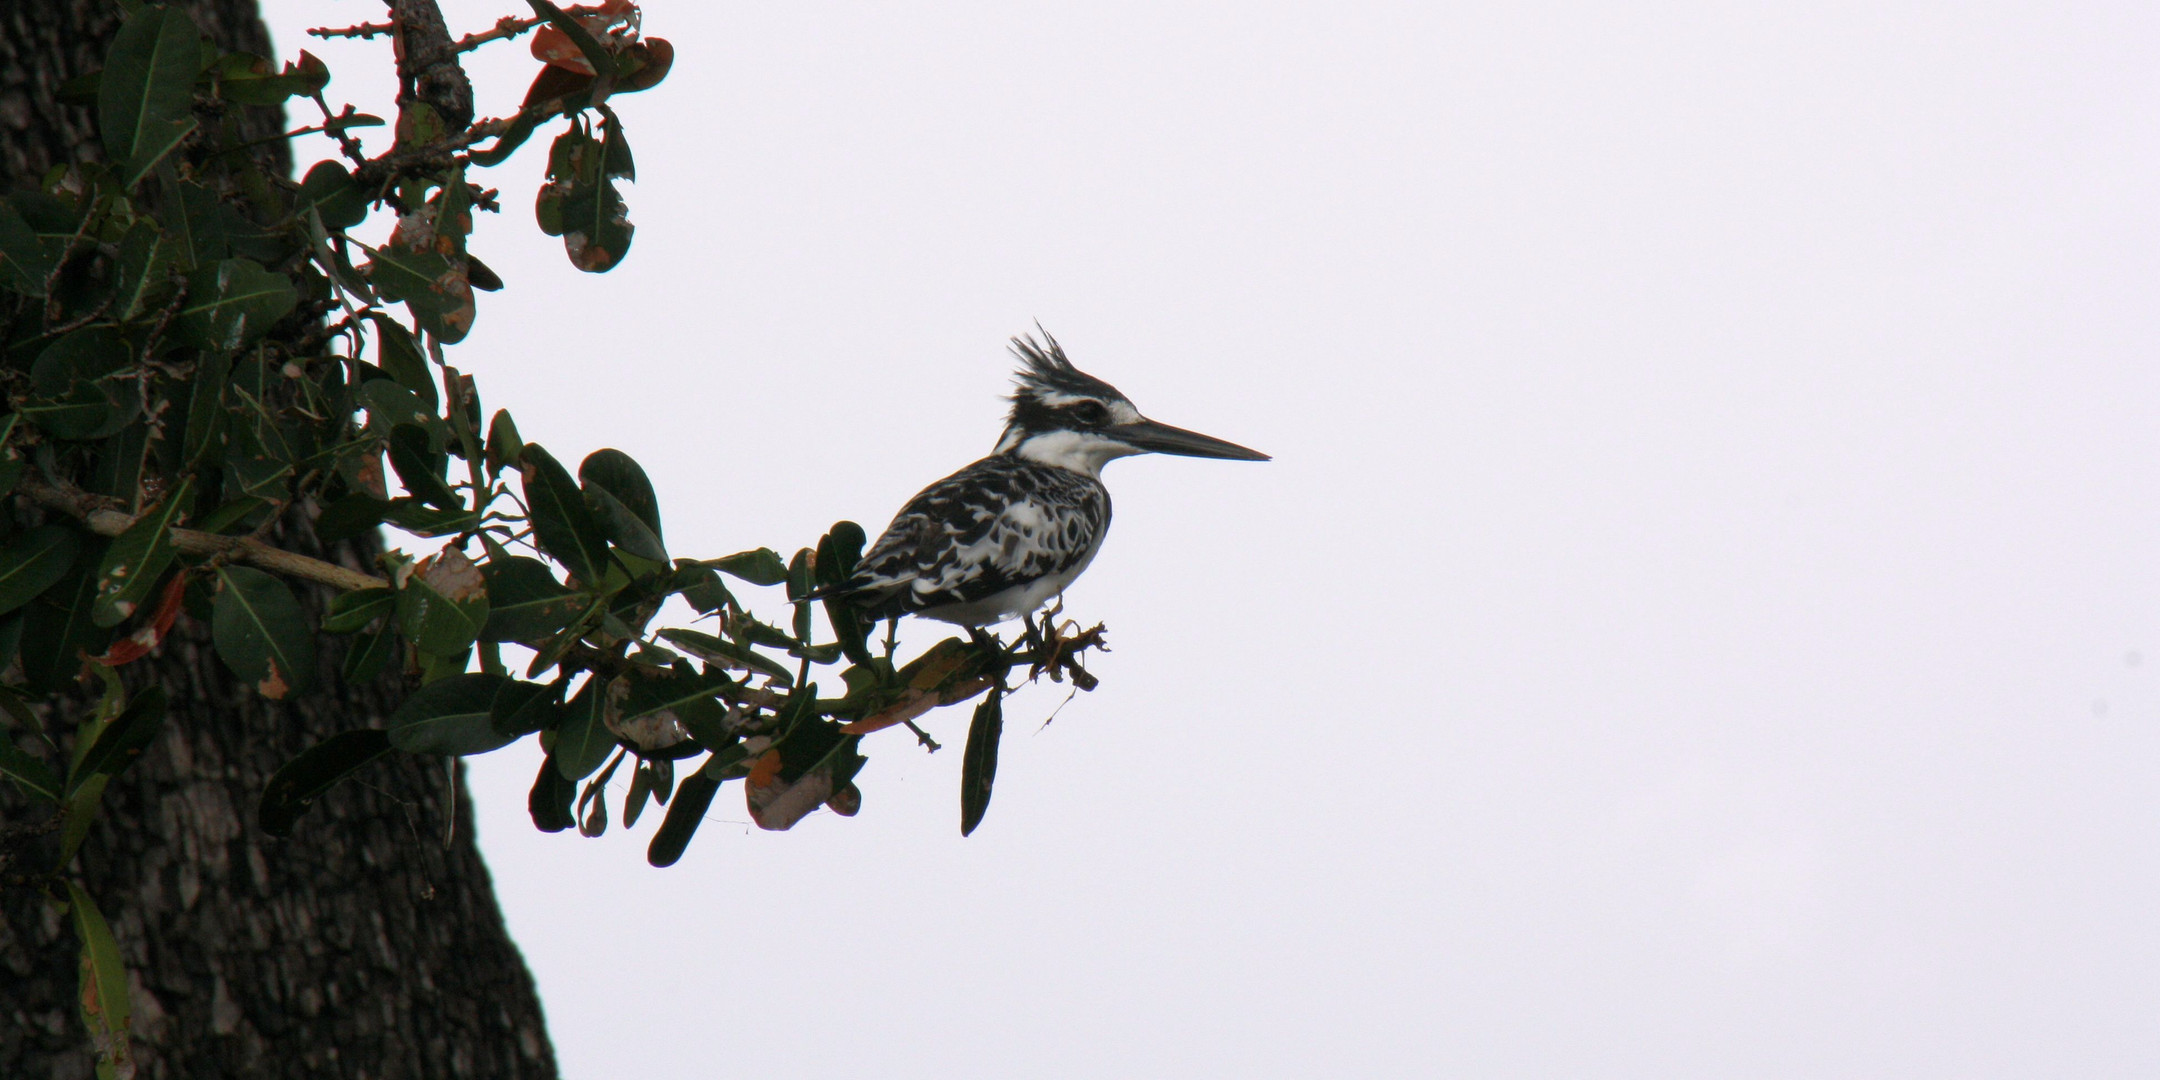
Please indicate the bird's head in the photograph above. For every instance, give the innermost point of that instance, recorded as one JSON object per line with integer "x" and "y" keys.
{"x": 1066, "y": 417}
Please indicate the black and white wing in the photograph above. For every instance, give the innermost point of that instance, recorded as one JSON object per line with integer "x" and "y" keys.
{"x": 999, "y": 524}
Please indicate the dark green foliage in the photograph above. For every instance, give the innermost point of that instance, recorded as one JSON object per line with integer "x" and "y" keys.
{"x": 295, "y": 787}
{"x": 200, "y": 356}
{"x": 260, "y": 631}
{"x": 451, "y": 716}
{"x": 35, "y": 562}
{"x": 978, "y": 763}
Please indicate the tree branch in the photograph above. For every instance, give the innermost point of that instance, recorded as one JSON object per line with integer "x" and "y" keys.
{"x": 105, "y": 521}
{"x": 510, "y": 26}
{"x": 374, "y": 173}
{"x": 427, "y": 63}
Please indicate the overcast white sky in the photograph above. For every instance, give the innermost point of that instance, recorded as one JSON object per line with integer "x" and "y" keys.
{"x": 1703, "y": 619}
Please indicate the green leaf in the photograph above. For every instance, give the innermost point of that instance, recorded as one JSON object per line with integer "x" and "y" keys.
{"x": 621, "y": 497}
{"x": 838, "y": 553}
{"x": 403, "y": 274}
{"x": 144, "y": 270}
{"x": 33, "y": 776}
{"x": 583, "y": 741}
{"x": 123, "y": 739}
{"x": 330, "y": 191}
{"x": 24, "y": 263}
{"x": 728, "y": 653}
{"x": 11, "y": 629}
{"x": 436, "y": 624}
{"x": 264, "y": 478}
{"x": 295, "y": 786}
{"x": 246, "y": 79}
{"x": 146, "y": 95}
{"x": 420, "y": 519}
{"x": 57, "y": 631}
{"x": 261, "y": 633}
{"x": 206, "y": 406}
{"x": 799, "y": 583}
{"x": 978, "y": 763}
{"x": 351, "y": 516}
{"x": 399, "y": 356}
{"x": 200, "y": 222}
{"x": 521, "y": 708}
{"x": 233, "y": 303}
{"x": 355, "y": 610}
{"x": 310, "y": 75}
{"x": 549, "y": 800}
{"x": 88, "y": 411}
{"x": 389, "y": 404}
{"x": 81, "y": 385}
{"x": 420, "y": 468}
{"x": 547, "y": 653}
{"x": 137, "y": 558}
{"x": 35, "y": 562}
{"x": 332, "y": 259}
{"x": 239, "y": 515}
{"x": 693, "y": 797}
{"x": 592, "y": 803}
{"x": 596, "y": 223}
{"x": 560, "y": 521}
{"x": 525, "y": 602}
{"x": 436, "y": 291}
{"x": 700, "y": 585}
{"x": 503, "y": 444}
{"x": 450, "y": 716}
{"x": 760, "y": 567}
{"x": 369, "y": 655}
{"x": 680, "y": 691}
{"x": 580, "y": 203}
{"x": 79, "y": 812}
{"x": 640, "y": 787}
{"x": 104, "y": 986}
{"x": 571, "y": 158}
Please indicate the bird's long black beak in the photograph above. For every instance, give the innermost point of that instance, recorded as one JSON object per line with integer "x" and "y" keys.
{"x": 1163, "y": 439}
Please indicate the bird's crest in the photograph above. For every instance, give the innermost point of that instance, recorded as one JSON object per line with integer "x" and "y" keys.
{"x": 1047, "y": 377}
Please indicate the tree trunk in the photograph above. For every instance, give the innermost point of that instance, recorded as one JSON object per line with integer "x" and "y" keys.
{"x": 367, "y": 945}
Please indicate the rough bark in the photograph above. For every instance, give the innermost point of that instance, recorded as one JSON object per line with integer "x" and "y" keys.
{"x": 364, "y": 946}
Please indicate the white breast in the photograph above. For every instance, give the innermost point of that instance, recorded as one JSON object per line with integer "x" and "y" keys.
{"x": 1016, "y": 600}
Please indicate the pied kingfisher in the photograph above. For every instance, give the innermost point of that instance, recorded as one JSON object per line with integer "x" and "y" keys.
{"x": 1003, "y": 536}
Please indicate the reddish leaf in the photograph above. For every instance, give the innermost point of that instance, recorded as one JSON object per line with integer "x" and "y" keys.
{"x": 135, "y": 646}
{"x": 554, "y": 48}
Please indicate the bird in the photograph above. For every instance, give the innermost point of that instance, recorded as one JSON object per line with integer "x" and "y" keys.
{"x": 1005, "y": 535}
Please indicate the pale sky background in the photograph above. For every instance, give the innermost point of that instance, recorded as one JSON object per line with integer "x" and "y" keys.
{"x": 1703, "y": 619}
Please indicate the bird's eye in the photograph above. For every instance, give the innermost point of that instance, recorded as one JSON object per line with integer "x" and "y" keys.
{"x": 1090, "y": 412}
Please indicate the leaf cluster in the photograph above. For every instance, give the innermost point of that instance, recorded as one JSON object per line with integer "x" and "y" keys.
{"x": 203, "y": 361}
{"x": 200, "y": 356}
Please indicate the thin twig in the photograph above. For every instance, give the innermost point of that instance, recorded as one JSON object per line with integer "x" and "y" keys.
{"x": 505, "y": 28}
{"x": 364, "y": 30}
{"x": 346, "y": 143}
{"x": 165, "y": 318}
{"x": 510, "y": 26}
{"x": 923, "y": 736}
